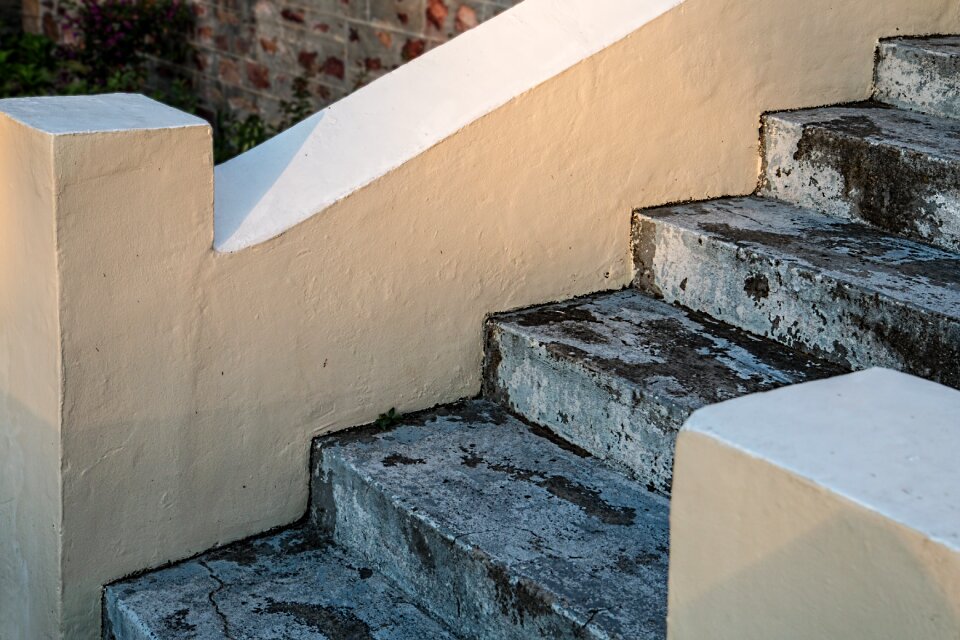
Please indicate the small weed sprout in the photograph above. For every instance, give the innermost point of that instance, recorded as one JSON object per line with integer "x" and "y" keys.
{"x": 388, "y": 419}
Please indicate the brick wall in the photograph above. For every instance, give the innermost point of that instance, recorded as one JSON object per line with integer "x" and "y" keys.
{"x": 248, "y": 52}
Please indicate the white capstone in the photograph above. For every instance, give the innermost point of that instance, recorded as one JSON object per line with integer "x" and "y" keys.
{"x": 269, "y": 189}
{"x": 825, "y": 510}
{"x": 66, "y": 115}
{"x": 883, "y": 439}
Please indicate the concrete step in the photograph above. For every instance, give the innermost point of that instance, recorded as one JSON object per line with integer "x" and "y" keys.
{"x": 501, "y": 532}
{"x": 618, "y": 373}
{"x": 839, "y": 290}
{"x": 288, "y": 586}
{"x": 894, "y": 169}
{"x": 922, "y": 74}
{"x": 824, "y": 510}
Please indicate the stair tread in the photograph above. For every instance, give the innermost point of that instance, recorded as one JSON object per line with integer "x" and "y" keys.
{"x": 588, "y": 540}
{"x": 940, "y": 45}
{"x": 289, "y": 585}
{"x": 908, "y": 131}
{"x": 909, "y": 272}
{"x": 619, "y": 373}
{"x": 682, "y": 358}
{"x": 920, "y": 74}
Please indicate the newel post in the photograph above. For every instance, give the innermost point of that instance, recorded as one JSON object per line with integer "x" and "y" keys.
{"x": 106, "y": 206}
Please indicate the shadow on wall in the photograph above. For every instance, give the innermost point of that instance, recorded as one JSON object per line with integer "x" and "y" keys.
{"x": 238, "y": 198}
{"x": 23, "y": 609}
{"x": 884, "y": 584}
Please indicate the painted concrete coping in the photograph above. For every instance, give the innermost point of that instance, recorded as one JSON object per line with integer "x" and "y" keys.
{"x": 75, "y": 115}
{"x": 297, "y": 174}
{"x": 879, "y": 438}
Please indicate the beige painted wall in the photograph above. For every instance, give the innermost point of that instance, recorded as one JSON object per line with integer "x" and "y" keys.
{"x": 134, "y": 230}
{"x": 760, "y": 552}
{"x": 29, "y": 388}
{"x": 193, "y": 381}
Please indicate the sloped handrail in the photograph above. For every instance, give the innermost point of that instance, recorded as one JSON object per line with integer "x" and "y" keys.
{"x": 297, "y": 174}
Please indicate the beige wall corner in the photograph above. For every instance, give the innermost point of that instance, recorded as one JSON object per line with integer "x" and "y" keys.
{"x": 106, "y": 215}
{"x": 826, "y": 510}
{"x": 30, "y": 501}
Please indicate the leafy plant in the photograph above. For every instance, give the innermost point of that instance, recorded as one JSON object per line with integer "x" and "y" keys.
{"x": 233, "y": 136}
{"x": 122, "y": 34}
{"x": 29, "y": 65}
{"x": 299, "y": 108}
{"x": 388, "y": 419}
{"x": 114, "y": 44}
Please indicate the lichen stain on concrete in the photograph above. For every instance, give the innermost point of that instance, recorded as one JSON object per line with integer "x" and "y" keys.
{"x": 518, "y": 599}
{"x": 624, "y": 396}
{"x": 420, "y": 547}
{"x": 394, "y": 459}
{"x": 248, "y": 553}
{"x": 645, "y": 254}
{"x": 586, "y": 499}
{"x": 896, "y": 170}
{"x": 333, "y": 622}
{"x": 757, "y": 287}
{"x": 869, "y": 298}
{"x": 177, "y": 623}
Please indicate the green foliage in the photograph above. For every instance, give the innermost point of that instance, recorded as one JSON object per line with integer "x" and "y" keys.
{"x": 116, "y": 41}
{"x": 120, "y": 35}
{"x": 299, "y": 108}
{"x": 30, "y": 65}
{"x": 233, "y": 136}
{"x": 388, "y": 419}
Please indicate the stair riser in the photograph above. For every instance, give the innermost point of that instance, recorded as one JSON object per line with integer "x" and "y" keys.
{"x": 115, "y": 625}
{"x": 909, "y": 78}
{"x": 604, "y": 415}
{"x": 792, "y": 304}
{"x": 454, "y": 582}
{"x": 903, "y": 192}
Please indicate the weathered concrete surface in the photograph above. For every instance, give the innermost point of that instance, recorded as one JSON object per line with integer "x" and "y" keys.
{"x": 289, "y": 586}
{"x": 920, "y": 74}
{"x": 894, "y": 169}
{"x": 617, "y": 374}
{"x": 502, "y": 532}
{"x": 840, "y": 290}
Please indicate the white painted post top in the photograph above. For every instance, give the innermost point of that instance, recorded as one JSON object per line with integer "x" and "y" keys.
{"x": 882, "y": 439}
{"x": 73, "y": 115}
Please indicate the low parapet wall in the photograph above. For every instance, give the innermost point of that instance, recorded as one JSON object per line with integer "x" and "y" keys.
{"x": 184, "y": 381}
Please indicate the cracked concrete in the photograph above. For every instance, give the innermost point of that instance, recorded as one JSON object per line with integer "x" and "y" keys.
{"x": 618, "y": 373}
{"x": 576, "y": 550}
{"x": 842, "y": 291}
{"x": 288, "y": 586}
{"x": 212, "y": 598}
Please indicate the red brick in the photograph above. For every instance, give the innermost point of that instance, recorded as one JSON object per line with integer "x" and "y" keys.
{"x": 466, "y": 18}
{"x": 437, "y": 13}
{"x": 258, "y": 75}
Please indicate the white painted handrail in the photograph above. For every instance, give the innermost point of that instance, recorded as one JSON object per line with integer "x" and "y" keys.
{"x": 262, "y": 193}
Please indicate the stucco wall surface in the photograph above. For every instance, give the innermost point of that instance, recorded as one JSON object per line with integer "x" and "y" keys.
{"x": 194, "y": 379}
{"x": 823, "y": 510}
{"x": 30, "y": 520}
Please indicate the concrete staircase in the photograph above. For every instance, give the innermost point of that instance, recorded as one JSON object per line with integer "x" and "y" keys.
{"x": 541, "y": 510}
